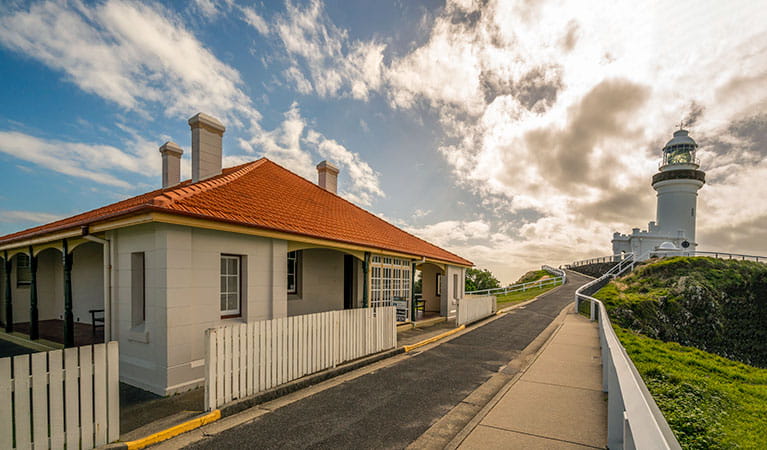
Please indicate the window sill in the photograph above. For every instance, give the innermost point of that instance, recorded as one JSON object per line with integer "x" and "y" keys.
{"x": 139, "y": 334}
{"x": 294, "y": 297}
{"x": 231, "y": 316}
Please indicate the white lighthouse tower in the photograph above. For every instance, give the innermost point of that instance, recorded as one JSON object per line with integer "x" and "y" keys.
{"x": 677, "y": 184}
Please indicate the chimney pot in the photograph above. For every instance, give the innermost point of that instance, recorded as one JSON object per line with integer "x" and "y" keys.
{"x": 171, "y": 163}
{"x": 327, "y": 176}
{"x": 207, "y": 133}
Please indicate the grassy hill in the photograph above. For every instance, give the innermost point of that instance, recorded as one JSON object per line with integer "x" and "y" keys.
{"x": 708, "y": 387}
{"x": 719, "y": 306}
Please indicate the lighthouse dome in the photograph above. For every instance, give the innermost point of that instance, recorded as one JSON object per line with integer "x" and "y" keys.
{"x": 680, "y": 149}
{"x": 681, "y": 137}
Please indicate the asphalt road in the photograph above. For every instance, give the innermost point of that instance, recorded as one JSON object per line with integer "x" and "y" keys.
{"x": 392, "y": 407}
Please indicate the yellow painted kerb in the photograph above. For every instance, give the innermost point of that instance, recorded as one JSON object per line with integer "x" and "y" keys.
{"x": 174, "y": 431}
{"x": 433, "y": 339}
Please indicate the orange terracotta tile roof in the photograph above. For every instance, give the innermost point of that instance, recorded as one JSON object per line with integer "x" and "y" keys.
{"x": 263, "y": 195}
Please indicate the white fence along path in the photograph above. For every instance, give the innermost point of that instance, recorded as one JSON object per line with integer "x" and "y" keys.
{"x": 62, "y": 398}
{"x": 245, "y": 359}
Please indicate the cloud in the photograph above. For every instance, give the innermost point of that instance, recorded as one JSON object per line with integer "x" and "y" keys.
{"x": 33, "y": 217}
{"x": 297, "y": 147}
{"x": 97, "y": 163}
{"x": 562, "y": 110}
{"x": 133, "y": 54}
{"x": 253, "y": 19}
{"x": 323, "y": 53}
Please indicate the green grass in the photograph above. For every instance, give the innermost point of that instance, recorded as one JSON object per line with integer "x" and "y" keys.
{"x": 533, "y": 275}
{"x": 709, "y": 401}
{"x": 517, "y": 297}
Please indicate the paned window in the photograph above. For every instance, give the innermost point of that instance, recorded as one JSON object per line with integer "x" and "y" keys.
{"x": 294, "y": 272}
{"x": 138, "y": 289}
{"x": 439, "y": 284}
{"x": 23, "y": 270}
{"x": 389, "y": 278}
{"x": 230, "y": 285}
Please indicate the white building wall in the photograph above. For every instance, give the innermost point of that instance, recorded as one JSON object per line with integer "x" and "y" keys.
{"x": 142, "y": 348}
{"x": 322, "y": 282}
{"x": 676, "y": 210}
{"x": 452, "y": 290}
{"x": 87, "y": 281}
{"x": 192, "y": 289}
{"x": 50, "y": 285}
{"x": 432, "y": 301}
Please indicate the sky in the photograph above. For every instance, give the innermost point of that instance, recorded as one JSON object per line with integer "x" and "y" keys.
{"x": 513, "y": 133}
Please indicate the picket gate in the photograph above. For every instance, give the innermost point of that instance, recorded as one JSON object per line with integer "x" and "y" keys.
{"x": 62, "y": 398}
{"x": 242, "y": 360}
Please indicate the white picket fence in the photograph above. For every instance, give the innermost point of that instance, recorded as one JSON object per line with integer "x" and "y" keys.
{"x": 242, "y": 360}
{"x": 63, "y": 398}
{"x": 472, "y": 308}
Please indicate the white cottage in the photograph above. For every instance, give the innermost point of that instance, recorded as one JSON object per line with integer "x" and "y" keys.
{"x": 233, "y": 245}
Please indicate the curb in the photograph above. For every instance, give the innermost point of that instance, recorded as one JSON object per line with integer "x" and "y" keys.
{"x": 408, "y": 348}
{"x": 169, "y": 433}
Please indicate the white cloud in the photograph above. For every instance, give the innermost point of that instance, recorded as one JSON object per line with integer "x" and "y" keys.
{"x": 92, "y": 162}
{"x": 253, "y": 19}
{"x": 298, "y": 148}
{"x": 335, "y": 64}
{"x": 133, "y": 54}
{"x": 35, "y": 217}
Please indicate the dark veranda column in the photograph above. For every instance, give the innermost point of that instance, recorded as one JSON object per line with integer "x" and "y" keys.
{"x": 34, "y": 328}
{"x": 8, "y": 299}
{"x": 412, "y": 292}
{"x": 365, "y": 280}
{"x": 69, "y": 321}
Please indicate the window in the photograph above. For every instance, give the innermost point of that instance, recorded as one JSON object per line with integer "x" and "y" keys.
{"x": 439, "y": 284}
{"x": 294, "y": 273}
{"x": 23, "y": 270}
{"x": 455, "y": 286}
{"x": 138, "y": 288}
{"x": 230, "y": 285}
{"x": 389, "y": 278}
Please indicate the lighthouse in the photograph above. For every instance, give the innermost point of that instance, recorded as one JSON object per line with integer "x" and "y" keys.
{"x": 677, "y": 183}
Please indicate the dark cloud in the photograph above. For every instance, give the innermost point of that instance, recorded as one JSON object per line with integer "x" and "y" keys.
{"x": 537, "y": 90}
{"x": 633, "y": 205}
{"x": 570, "y": 38}
{"x": 745, "y": 238}
{"x": 695, "y": 113}
{"x": 602, "y": 115}
{"x": 743, "y": 141}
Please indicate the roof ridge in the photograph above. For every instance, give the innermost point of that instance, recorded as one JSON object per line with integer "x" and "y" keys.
{"x": 361, "y": 208}
{"x": 166, "y": 198}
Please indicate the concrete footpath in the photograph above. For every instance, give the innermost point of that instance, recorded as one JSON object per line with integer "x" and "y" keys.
{"x": 557, "y": 402}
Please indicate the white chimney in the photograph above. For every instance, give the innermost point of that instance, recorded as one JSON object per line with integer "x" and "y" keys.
{"x": 207, "y": 133}
{"x": 327, "y": 176}
{"x": 171, "y": 163}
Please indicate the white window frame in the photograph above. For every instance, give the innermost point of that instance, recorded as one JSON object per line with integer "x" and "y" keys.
{"x": 294, "y": 293}
{"x": 389, "y": 278}
{"x": 231, "y": 312}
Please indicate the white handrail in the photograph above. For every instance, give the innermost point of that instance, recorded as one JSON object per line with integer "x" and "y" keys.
{"x": 599, "y": 259}
{"x": 560, "y": 279}
{"x": 634, "y": 421}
